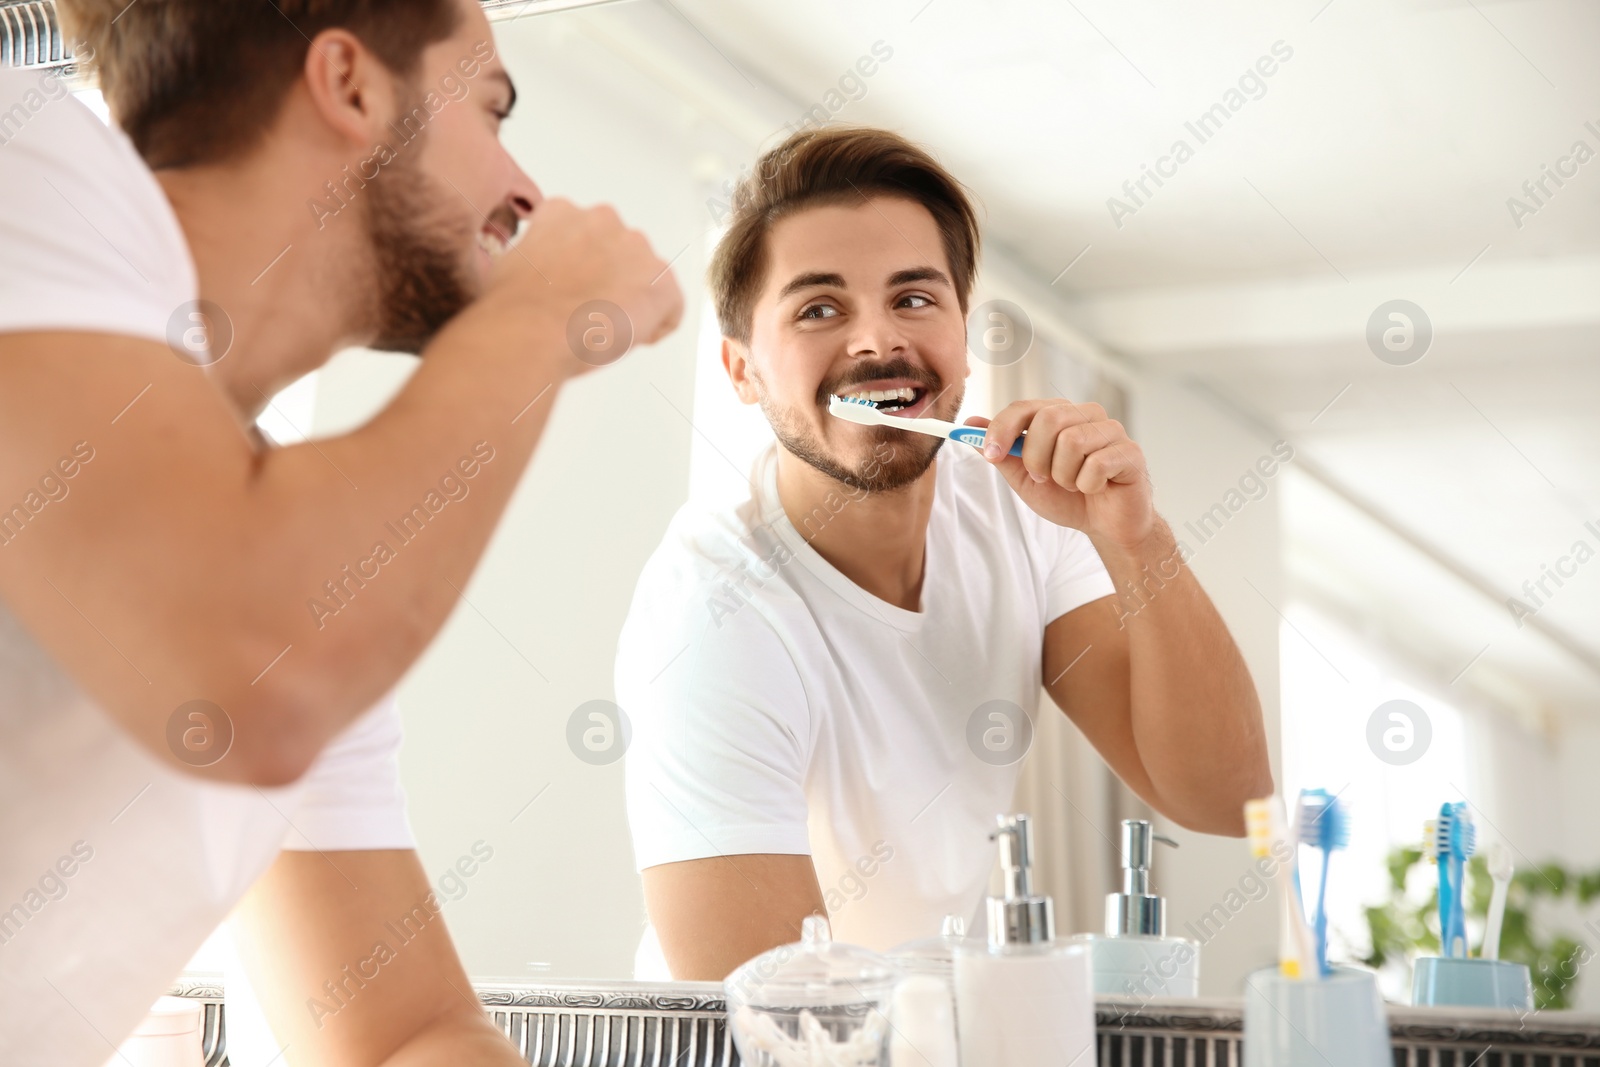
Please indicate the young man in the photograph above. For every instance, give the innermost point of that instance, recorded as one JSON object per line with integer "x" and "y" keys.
{"x": 827, "y": 683}
{"x": 193, "y": 626}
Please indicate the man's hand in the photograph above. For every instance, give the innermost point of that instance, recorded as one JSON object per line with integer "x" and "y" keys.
{"x": 569, "y": 257}
{"x": 1078, "y": 468}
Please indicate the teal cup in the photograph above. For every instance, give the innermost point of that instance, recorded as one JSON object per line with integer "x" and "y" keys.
{"x": 1336, "y": 1022}
{"x": 1470, "y": 983}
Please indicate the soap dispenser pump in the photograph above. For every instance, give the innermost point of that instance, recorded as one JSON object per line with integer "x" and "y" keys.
{"x": 1023, "y": 998}
{"x": 1135, "y": 957}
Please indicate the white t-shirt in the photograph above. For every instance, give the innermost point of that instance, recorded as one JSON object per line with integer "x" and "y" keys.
{"x": 114, "y": 868}
{"x": 776, "y": 707}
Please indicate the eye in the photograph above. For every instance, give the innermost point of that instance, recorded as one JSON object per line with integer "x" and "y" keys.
{"x": 915, "y": 300}
{"x": 818, "y": 311}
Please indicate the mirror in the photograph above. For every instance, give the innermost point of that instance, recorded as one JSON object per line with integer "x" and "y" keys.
{"x": 1336, "y": 268}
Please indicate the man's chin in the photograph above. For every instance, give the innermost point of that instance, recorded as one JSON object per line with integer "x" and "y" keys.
{"x": 893, "y": 460}
{"x": 430, "y": 300}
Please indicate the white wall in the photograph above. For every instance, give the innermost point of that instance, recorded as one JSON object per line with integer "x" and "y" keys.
{"x": 1196, "y": 455}
{"x": 487, "y": 706}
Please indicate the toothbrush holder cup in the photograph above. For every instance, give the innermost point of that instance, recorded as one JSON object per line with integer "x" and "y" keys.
{"x": 1336, "y": 1022}
{"x": 1471, "y": 983}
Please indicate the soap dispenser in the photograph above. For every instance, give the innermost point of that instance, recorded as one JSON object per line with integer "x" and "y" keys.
{"x": 1135, "y": 957}
{"x": 1023, "y": 998}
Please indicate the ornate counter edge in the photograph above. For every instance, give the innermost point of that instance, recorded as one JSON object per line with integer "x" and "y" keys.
{"x": 1545, "y": 1030}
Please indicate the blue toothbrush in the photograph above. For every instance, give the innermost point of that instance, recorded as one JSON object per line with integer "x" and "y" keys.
{"x": 1452, "y": 839}
{"x": 1324, "y": 825}
{"x": 865, "y": 412}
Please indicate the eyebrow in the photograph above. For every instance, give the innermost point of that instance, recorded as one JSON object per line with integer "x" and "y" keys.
{"x": 811, "y": 281}
{"x": 816, "y": 279}
{"x": 505, "y": 78}
{"x": 918, "y": 274}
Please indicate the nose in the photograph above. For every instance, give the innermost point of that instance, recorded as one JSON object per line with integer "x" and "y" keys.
{"x": 525, "y": 194}
{"x": 877, "y": 336}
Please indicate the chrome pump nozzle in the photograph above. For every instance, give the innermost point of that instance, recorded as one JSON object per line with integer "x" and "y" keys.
{"x": 1021, "y": 917}
{"x": 1136, "y": 911}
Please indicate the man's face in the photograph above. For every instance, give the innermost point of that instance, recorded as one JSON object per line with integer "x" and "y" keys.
{"x": 857, "y": 299}
{"x": 451, "y": 199}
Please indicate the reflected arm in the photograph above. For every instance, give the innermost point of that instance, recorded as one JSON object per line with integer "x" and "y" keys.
{"x": 714, "y": 914}
{"x": 1162, "y": 692}
{"x": 310, "y": 932}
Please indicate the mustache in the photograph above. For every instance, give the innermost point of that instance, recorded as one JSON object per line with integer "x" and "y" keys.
{"x": 860, "y": 373}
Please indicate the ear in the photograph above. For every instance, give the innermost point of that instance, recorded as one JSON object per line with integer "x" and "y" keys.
{"x": 736, "y": 361}
{"x": 349, "y": 88}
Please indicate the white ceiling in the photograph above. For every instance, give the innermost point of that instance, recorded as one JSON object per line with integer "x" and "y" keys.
{"x": 1392, "y": 137}
{"x": 1376, "y": 165}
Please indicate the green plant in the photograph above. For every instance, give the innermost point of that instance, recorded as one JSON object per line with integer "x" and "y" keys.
{"x": 1403, "y": 929}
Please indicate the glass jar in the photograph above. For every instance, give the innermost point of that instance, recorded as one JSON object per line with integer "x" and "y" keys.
{"x": 813, "y": 1003}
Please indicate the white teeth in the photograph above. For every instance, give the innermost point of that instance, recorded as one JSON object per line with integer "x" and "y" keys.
{"x": 878, "y": 396}
{"x": 492, "y": 244}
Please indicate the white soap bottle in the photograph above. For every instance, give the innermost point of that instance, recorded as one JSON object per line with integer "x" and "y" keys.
{"x": 1135, "y": 957}
{"x": 1023, "y": 998}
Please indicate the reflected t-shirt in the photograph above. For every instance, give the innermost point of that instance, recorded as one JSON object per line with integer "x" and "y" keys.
{"x": 777, "y": 707}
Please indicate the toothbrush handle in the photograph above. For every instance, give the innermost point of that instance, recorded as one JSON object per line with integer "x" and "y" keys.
{"x": 1322, "y": 914}
{"x": 1447, "y": 907}
{"x": 1456, "y": 931}
{"x": 1497, "y": 915}
{"x": 977, "y": 435}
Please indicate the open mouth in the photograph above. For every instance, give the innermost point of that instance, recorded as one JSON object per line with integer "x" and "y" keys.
{"x": 493, "y": 241}
{"x": 900, "y": 401}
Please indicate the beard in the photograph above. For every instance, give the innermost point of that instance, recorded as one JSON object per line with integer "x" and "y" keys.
{"x": 896, "y": 459}
{"x": 419, "y": 256}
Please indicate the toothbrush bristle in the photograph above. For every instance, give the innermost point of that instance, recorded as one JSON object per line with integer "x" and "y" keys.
{"x": 1262, "y": 823}
{"x": 854, "y": 409}
{"x": 1324, "y": 822}
{"x": 1455, "y": 834}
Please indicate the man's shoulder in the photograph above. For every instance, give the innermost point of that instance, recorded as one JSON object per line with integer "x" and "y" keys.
{"x": 84, "y": 215}
{"x": 707, "y": 545}
{"x": 40, "y": 117}
{"x": 719, "y": 582}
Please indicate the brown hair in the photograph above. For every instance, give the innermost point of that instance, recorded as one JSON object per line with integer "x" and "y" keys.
{"x": 198, "y": 81}
{"x": 829, "y": 165}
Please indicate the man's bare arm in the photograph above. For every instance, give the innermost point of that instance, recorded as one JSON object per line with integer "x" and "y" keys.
{"x": 181, "y": 564}
{"x": 320, "y": 935}
{"x": 1168, "y": 700}
{"x": 712, "y": 915}
{"x": 1164, "y": 695}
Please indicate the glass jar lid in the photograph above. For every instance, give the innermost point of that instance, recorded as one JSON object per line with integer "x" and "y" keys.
{"x": 932, "y": 955}
{"x": 815, "y": 971}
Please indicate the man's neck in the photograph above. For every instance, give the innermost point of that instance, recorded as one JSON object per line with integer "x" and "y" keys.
{"x": 877, "y": 540}
{"x": 260, "y": 258}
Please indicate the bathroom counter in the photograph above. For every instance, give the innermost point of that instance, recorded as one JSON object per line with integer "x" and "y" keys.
{"x": 584, "y": 1023}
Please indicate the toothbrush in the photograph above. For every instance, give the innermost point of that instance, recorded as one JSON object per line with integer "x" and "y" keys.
{"x": 866, "y": 413}
{"x": 1501, "y": 870}
{"x": 1270, "y": 838}
{"x": 1324, "y": 824}
{"x": 1451, "y": 839}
